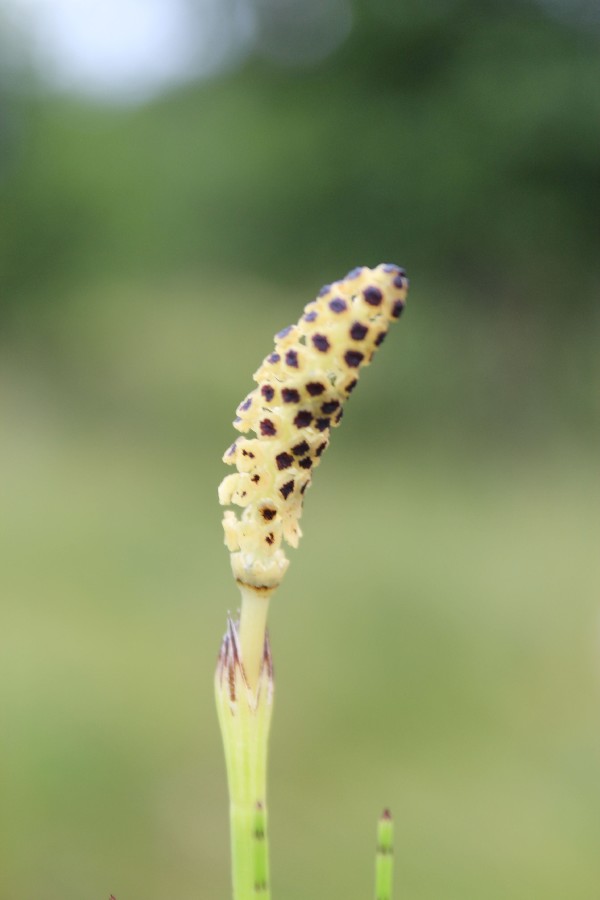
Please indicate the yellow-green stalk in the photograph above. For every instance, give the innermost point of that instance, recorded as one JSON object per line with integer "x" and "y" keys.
{"x": 384, "y": 863}
{"x": 245, "y": 718}
{"x": 302, "y": 386}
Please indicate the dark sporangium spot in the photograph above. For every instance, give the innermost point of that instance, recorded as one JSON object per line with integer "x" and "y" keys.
{"x": 287, "y": 489}
{"x": 321, "y": 447}
{"x": 306, "y": 463}
{"x": 304, "y": 486}
{"x": 270, "y": 538}
{"x": 351, "y": 386}
{"x": 337, "y": 305}
{"x": 267, "y": 391}
{"x": 380, "y": 338}
{"x": 268, "y": 513}
{"x": 246, "y": 404}
{"x": 373, "y": 296}
{"x": 353, "y": 358}
{"x": 310, "y": 316}
{"x": 300, "y": 449}
{"x": 320, "y": 342}
{"x": 303, "y": 419}
{"x": 400, "y": 279}
{"x": 339, "y": 416}
{"x": 397, "y": 308}
{"x": 255, "y": 479}
{"x": 290, "y": 395}
{"x": 248, "y": 453}
{"x": 322, "y": 424}
{"x": 358, "y": 331}
{"x": 315, "y": 388}
{"x": 291, "y": 358}
{"x": 330, "y": 406}
{"x": 273, "y": 358}
{"x": 284, "y": 460}
{"x": 267, "y": 427}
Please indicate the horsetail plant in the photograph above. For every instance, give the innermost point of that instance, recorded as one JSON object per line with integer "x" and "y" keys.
{"x": 384, "y": 860}
{"x": 301, "y": 390}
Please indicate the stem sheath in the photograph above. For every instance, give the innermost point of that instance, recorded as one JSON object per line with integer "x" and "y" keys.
{"x": 245, "y": 717}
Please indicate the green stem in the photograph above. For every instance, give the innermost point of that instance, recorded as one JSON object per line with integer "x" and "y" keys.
{"x": 261, "y": 853}
{"x": 245, "y": 716}
{"x": 384, "y": 864}
{"x": 249, "y": 852}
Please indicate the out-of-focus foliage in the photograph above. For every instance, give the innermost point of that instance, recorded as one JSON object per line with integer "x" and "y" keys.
{"x": 460, "y": 139}
{"x": 462, "y": 135}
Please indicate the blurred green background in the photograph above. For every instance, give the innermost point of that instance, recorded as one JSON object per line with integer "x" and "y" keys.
{"x": 172, "y": 191}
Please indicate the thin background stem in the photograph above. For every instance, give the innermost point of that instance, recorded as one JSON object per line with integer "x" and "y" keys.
{"x": 384, "y": 864}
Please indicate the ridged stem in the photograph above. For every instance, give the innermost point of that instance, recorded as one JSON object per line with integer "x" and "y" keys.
{"x": 249, "y": 852}
{"x": 244, "y": 717}
{"x": 384, "y": 863}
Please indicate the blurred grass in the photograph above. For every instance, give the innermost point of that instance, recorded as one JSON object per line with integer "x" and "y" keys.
{"x": 436, "y": 641}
